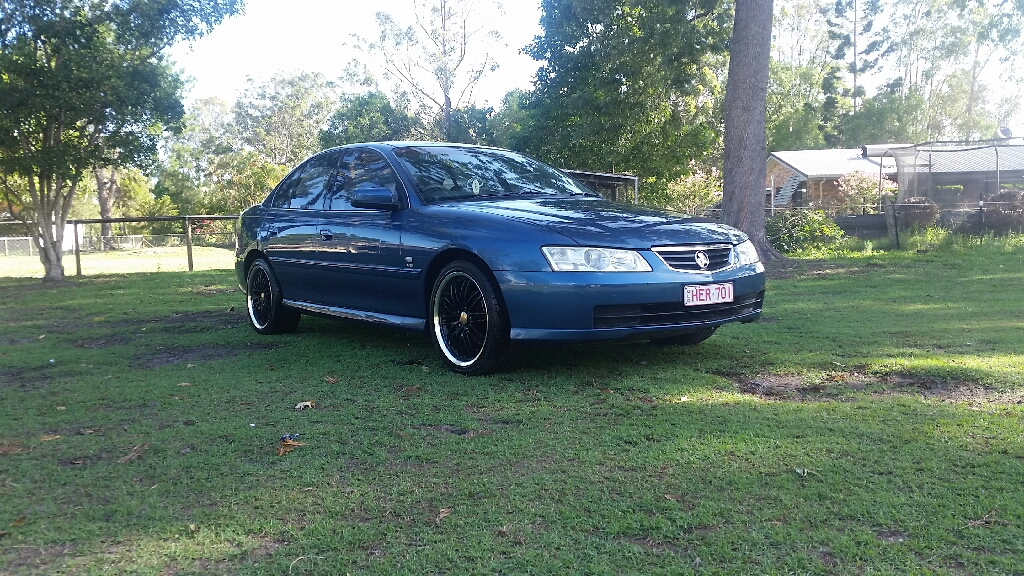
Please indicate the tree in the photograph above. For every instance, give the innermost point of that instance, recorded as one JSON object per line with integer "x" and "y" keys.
{"x": 85, "y": 84}
{"x": 369, "y": 117}
{"x": 281, "y": 119}
{"x": 627, "y": 86}
{"x": 745, "y": 96}
{"x": 440, "y": 57}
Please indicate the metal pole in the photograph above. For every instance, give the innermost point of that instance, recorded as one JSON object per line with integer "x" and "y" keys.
{"x": 78, "y": 253}
{"x": 188, "y": 241}
{"x": 5, "y": 247}
{"x": 997, "y": 169}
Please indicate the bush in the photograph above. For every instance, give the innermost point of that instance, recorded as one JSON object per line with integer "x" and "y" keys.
{"x": 1004, "y": 212}
{"x": 917, "y": 213}
{"x": 796, "y": 230}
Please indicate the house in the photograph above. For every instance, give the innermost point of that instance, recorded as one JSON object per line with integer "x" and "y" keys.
{"x": 803, "y": 177}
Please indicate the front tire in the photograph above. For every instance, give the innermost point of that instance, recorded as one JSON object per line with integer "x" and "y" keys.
{"x": 263, "y": 300}
{"x": 468, "y": 322}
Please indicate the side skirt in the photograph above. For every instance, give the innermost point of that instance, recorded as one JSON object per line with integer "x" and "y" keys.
{"x": 386, "y": 319}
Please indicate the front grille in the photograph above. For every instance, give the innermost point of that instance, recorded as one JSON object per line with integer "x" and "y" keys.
{"x": 674, "y": 313}
{"x": 685, "y": 257}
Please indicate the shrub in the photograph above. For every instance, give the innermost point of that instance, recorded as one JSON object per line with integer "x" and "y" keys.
{"x": 796, "y": 230}
{"x": 917, "y": 213}
{"x": 1004, "y": 212}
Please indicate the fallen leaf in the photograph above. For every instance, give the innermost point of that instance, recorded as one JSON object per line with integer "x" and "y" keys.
{"x": 10, "y": 447}
{"x": 78, "y": 461}
{"x": 803, "y": 472}
{"x": 41, "y": 337}
{"x": 606, "y": 390}
{"x": 304, "y": 405}
{"x": 674, "y": 497}
{"x": 330, "y": 380}
{"x": 135, "y": 453}
{"x": 286, "y": 446}
{"x": 444, "y": 513}
{"x": 192, "y": 527}
{"x": 185, "y": 384}
{"x": 62, "y": 408}
{"x": 190, "y": 365}
{"x": 48, "y": 437}
{"x": 426, "y": 368}
{"x": 18, "y": 522}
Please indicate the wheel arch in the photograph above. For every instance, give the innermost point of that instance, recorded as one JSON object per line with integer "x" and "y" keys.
{"x": 446, "y": 257}
{"x": 252, "y": 256}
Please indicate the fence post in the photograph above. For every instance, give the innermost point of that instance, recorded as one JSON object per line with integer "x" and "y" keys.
{"x": 188, "y": 241}
{"x": 5, "y": 247}
{"x": 78, "y": 253}
{"x": 890, "y": 220}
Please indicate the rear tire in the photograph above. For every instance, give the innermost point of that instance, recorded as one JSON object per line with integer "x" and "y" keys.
{"x": 263, "y": 300}
{"x": 688, "y": 339}
{"x": 467, "y": 321}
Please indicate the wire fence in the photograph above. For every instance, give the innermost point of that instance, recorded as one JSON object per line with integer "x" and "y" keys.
{"x": 127, "y": 234}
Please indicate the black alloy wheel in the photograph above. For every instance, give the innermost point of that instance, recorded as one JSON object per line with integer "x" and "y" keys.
{"x": 263, "y": 300}
{"x": 468, "y": 323}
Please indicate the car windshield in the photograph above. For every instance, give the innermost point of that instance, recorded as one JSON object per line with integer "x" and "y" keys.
{"x": 448, "y": 173}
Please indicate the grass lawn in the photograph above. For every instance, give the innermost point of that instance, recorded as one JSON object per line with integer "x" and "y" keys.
{"x": 162, "y": 259}
{"x": 871, "y": 423}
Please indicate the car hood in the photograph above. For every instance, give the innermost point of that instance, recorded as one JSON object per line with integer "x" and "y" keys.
{"x": 595, "y": 222}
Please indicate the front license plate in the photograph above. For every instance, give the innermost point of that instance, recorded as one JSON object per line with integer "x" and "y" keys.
{"x": 707, "y": 294}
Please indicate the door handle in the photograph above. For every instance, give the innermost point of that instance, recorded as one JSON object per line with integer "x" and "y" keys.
{"x": 326, "y": 234}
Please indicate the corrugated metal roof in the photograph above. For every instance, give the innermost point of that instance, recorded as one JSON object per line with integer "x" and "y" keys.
{"x": 831, "y": 163}
{"x": 955, "y": 159}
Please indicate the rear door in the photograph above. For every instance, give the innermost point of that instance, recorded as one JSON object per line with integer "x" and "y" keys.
{"x": 289, "y": 228}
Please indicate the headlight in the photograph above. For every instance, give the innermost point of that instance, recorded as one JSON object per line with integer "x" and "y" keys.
{"x": 578, "y": 259}
{"x": 745, "y": 253}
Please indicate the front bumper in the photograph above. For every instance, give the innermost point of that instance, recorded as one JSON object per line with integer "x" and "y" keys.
{"x": 598, "y": 306}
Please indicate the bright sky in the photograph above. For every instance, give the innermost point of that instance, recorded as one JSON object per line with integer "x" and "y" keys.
{"x": 274, "y": 36}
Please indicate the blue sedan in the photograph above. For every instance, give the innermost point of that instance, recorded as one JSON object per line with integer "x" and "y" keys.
{"x": 482, "y": 249}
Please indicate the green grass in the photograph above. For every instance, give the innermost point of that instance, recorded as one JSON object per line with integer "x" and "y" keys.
{"x": 163, "y": 259}
{"x": 872, "y": 424}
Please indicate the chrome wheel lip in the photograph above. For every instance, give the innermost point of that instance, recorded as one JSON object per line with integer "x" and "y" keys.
{"x": 251, "y": 297}
{"x": 439, "y": 334}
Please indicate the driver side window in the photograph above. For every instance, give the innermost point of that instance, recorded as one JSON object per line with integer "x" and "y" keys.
{"x": 361, "y": 168}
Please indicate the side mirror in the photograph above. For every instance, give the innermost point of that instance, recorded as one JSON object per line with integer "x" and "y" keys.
{"x": 374, "y": 198}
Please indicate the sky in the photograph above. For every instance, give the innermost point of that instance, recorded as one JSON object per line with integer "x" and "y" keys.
{"x": 274, "y": 36}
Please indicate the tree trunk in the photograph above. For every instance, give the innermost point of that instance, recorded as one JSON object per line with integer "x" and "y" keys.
{"x": 105, "y": 195}
{"x": 745, "y": 102}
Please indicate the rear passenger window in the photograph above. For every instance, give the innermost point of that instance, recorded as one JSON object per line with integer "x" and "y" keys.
{"x": 283, "y": 193}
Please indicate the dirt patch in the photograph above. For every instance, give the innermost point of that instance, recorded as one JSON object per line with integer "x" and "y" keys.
{"x": 97, "y": 343}
{"x": 192, "y": 322}
{"x": 27, "y": 379}
{"x": 891, "y": 536}
{"x": 169, "y": 356}
{"x": 33, "y": 558}
{"x": 843, "y": 385}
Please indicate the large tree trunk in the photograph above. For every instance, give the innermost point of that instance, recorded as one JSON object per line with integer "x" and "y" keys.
{"x": 745, "y": 102}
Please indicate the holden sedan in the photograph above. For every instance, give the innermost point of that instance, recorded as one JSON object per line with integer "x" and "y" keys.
{"x": 483, "y": 249}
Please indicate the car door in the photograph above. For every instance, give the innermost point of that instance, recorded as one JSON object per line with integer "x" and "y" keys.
{"x": 359, "y": 252}
{"x": 289, "y": 229}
